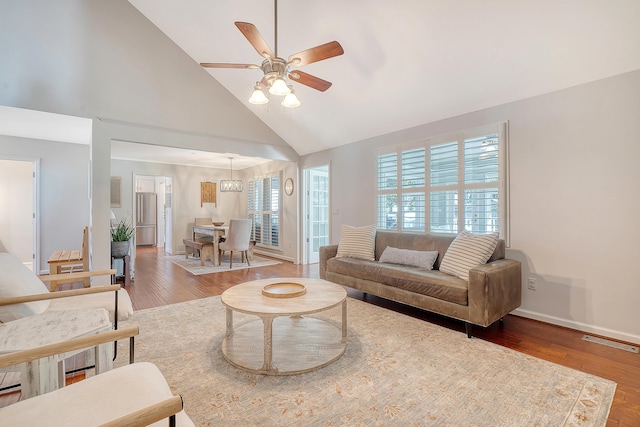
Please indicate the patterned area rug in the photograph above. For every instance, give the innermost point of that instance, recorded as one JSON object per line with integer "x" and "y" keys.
{"x": 192, "y": 265}
{"x": 396, "y": 371}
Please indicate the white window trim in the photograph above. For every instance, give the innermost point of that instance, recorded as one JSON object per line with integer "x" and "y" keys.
{"x": 501, "y": 128}
{"x": 279, "y": 175}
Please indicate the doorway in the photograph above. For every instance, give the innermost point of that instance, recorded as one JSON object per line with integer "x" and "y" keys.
{"x": 18, "y": 218}
{"x": 316, "y": 212}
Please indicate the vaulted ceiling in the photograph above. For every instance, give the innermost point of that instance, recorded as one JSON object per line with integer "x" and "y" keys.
{"x": 406, "y": 62}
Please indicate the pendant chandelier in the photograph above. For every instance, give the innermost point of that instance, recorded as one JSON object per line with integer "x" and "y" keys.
{"x": 231, "y": 185}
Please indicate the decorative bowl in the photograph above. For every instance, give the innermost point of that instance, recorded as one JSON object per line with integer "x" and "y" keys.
{"x": 218, "y": 223}
{"x": 284, "y": 290}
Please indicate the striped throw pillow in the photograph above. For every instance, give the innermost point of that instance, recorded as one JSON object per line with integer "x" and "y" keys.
{"x": 468, "y": 250}
{"x": 357, "y": 242}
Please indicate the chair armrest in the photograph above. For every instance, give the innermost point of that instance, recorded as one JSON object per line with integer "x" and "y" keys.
{"x": 150, "y": 414}
{"x": 31, "y": 354}
{"x": 326, "y": 252}
{"x": 59, "y": 294}
{"x": 495, "y": 289}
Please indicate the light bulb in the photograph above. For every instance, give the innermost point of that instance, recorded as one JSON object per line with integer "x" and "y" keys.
{"x": 258, "y": 97}
{"x": 279, "y": 87}
{"x": 291, "y": 100}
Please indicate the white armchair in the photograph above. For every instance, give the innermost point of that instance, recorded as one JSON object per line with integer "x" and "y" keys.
{"x": 133, "y": 395}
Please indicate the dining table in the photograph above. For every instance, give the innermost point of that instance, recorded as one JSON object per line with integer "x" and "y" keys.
{"x": 216, "y": 231}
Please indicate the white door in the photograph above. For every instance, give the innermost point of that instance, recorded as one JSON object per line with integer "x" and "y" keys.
{"x": 18, "y": 231}
{"x": 317, "y": 211}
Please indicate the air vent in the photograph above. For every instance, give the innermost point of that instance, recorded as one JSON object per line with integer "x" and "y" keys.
{"x": 610, "y": 343}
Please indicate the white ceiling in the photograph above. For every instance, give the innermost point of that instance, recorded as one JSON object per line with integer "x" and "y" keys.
{"x": 406, "y": 62}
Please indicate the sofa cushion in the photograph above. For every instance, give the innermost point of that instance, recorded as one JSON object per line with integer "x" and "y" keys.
{"x": 424, "y": 259}
{"x": 357, "y": 242}
{"x": 431, "y": 283}
{"x": 468, "y": 250}
{"x": 17, "y": 280}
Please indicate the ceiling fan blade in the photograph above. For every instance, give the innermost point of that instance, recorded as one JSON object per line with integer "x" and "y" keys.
{"x": 315, "y": 54}
{"x": 217, "y": 65}
{"x": 255, "y": 38}
{"x": 309, "y": 80}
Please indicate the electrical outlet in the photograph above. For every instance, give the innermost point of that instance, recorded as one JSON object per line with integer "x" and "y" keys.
{"x": 531, "y": 285}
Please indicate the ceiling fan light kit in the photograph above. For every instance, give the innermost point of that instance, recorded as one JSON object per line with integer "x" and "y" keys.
{"x": 258, "y": 97}
{"x": 279, "y": 87}
{"x": 291, "y": 100}
{"x": 276, "y": 70}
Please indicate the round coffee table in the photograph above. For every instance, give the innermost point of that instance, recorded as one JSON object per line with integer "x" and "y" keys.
{"x": 284, "y": 340}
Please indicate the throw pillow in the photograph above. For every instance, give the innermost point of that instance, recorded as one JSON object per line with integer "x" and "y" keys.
{"x": 357, "y": 242}
{"x": 468, "y": 250}
{"x": 17, "y": 280}
{"x": 424, "y": 259}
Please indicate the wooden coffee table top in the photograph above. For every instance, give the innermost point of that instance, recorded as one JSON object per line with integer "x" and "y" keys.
{"x": 248, "y": 298}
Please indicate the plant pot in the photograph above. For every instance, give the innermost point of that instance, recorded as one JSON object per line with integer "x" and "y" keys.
{"x": 119, "y": 249}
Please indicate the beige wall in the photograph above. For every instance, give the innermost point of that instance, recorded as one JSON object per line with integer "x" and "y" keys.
{"x": 574, "y": 181}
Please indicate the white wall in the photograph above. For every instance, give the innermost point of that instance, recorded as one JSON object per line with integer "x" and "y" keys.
{"x": 64, "y": 196}
{"x": 105, "y": 61}
{"x": 574, "y": 182}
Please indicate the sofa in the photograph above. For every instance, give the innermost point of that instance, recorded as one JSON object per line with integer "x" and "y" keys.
{"x": 491, "y": 290}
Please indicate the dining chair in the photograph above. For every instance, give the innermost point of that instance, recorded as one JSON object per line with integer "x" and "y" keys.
{"x": 236, "y": 239}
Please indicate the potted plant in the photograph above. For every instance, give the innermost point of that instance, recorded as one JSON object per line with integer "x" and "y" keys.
{"x": 121, "y": 234}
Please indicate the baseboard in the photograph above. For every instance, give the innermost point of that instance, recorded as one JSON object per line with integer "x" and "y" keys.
{"x": 579, "y": 326}
{"x": 257, "y": 251}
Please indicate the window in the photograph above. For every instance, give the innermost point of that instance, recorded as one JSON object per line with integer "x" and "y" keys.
{"x": 446, "y": 184}
{"x": 263, "y": 208}
{"x": 401, "y": 206}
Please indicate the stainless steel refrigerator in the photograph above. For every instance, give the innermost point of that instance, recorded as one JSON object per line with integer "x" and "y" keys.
{"x": 146, "y": 219}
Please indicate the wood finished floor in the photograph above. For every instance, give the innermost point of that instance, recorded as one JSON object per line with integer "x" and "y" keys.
{"x": 160, "y": 282}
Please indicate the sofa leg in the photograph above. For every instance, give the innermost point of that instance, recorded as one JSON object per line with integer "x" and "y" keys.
{"x": 467, "y": 327}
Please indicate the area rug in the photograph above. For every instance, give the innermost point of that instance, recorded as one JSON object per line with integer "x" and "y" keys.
{"x": 396, "y": 371}
{"x": 192, "y": 265}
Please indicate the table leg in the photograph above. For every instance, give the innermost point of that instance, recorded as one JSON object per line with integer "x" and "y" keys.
{"x": 39, "y": 376}
{"x": 229, "y": 322}
{"x": 268, "y": 342}
{"x": 344, "y": 320}
{"x": 126, "y": 266}
{"x": 104, "y": 357}
{"x": 216, "y": 247}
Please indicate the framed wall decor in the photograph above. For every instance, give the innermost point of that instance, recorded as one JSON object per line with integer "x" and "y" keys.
{"x": 288, "y": 186}
{"x": 207, "y": 192}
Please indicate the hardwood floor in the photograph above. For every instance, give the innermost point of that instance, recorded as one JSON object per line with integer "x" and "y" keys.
{"x": 160, "y": 282}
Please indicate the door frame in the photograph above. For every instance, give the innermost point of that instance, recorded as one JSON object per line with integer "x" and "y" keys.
{"x": 306, "y": 208}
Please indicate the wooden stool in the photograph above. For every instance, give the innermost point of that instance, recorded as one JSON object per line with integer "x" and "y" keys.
{"x": 205, "y": 248}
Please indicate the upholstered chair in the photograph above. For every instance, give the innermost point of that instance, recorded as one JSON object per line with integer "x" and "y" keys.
{"x": 237, "y": 239}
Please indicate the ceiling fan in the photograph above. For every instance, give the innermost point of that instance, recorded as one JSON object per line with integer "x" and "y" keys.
{"x": 277, "y": 69}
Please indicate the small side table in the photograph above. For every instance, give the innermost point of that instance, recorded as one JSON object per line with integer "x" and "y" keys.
{"x": 47, "y": 374}
{"x": 125, "y": 268}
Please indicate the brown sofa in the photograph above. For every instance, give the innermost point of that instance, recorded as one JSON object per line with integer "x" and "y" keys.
{"x": 493, "y": 290}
